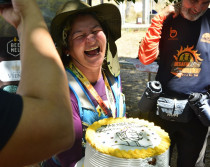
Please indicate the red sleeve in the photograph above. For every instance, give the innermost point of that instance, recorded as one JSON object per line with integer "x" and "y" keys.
{"x": 149, "y": 47}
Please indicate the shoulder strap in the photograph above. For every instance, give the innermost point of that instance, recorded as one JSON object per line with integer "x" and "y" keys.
{"x": 79, "y": 92}
{"x": 115, "y": 83}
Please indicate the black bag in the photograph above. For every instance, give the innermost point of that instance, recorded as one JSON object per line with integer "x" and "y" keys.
{"x": 174, "y": 110}
{"x": 149, "y": 98}
{"x": 200, "y": 103}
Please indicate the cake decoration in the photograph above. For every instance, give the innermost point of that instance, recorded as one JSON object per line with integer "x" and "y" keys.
{"x": 123, "y": 141}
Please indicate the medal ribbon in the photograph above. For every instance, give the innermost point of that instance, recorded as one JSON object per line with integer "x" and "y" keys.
{"x": 110, "y": 96}
{"x": 89, "y": 86}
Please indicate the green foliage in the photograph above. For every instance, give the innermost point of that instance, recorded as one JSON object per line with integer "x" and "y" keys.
{"x": 172, "y": 1}
{"x": 118, "y": 1}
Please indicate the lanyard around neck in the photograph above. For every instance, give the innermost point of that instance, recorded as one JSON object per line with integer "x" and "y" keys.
{"x": 89, "y": 86}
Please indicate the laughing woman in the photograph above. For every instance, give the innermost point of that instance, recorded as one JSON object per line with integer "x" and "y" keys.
{"x": 85, "y": 37}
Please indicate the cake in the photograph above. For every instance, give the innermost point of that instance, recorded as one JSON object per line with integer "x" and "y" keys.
{"x": 126, "y": 142}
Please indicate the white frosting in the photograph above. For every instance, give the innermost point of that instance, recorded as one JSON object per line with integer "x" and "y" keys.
{"x": 127, "y": 136}
{"x": 94, "y": 158}
{"x": 124, "y": 136}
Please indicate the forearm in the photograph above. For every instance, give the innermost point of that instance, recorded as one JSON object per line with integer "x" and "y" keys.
{"x": 43, "y": 76}
{"x": 39, "y": 58}
{"x": 46, "y": 125}
{"x": 149, "y": 47}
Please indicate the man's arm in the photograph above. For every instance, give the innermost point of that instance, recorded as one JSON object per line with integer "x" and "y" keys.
{"x": 46, "y": 125}
{"x": 149, "y": 47}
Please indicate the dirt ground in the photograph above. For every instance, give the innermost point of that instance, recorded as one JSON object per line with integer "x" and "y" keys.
{"x": 128, "y": 44}
{"x": 134, "y": 81}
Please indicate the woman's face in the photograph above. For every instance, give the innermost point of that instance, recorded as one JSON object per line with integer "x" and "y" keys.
{"x": 193, "y": 9}
{"x": 87, "y": 43}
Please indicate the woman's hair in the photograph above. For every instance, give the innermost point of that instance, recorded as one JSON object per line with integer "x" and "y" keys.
{"x": 67, "y": 30}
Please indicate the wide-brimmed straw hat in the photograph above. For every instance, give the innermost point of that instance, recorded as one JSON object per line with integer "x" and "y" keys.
{"x": 108, "y": 14}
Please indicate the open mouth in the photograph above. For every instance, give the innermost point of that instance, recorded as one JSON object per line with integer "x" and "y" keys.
{"x": 92, "y": 51}
{"x": 194, "y": 12}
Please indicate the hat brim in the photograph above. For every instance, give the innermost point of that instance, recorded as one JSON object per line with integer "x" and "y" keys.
{"x": 110, "y": 17}
{"x": 109, "y": 12}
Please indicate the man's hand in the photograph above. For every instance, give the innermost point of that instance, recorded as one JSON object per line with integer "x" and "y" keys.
{"x": 171, "y": 9}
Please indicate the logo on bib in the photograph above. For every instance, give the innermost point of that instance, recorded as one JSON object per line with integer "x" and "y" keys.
{"x": 187, "y": 63}
{"x": 173, "y": 34}
{"x": 205, "y": 38}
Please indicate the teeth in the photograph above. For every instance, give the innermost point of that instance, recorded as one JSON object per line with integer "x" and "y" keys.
{"x": 92, "y": 49}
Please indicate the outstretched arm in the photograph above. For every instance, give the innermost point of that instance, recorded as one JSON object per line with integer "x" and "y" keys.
{"x": 46, "y": 125}
{"x": 149, "y": 47}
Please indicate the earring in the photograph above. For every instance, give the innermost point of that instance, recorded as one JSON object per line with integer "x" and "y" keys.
{"x": 67, "y": 55}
